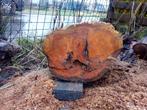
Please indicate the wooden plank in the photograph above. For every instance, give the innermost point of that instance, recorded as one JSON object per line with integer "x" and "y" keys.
{"x": 120, "y": 7}
{"x": 144, "y": 7}
{"x": 144, "y": 21}
{"x": 124, "y": 18}
{"x": 124, "y": 5}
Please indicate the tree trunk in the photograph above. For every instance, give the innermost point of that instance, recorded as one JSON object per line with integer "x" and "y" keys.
{"x": 0, "y": 18}
{"x": 80, "y": 53}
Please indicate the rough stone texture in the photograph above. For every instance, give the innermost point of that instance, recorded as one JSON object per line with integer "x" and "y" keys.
{"x": 80, "y": 52}
{"x": 68, "y": 91}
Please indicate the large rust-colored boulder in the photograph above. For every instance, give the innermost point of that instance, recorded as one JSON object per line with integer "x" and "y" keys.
{"x": 80, "y": 52}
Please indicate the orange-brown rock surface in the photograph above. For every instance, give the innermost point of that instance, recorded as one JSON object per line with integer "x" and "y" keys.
{"x": 80, "y": 52}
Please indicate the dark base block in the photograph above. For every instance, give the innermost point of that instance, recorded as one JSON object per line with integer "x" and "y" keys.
{"x": 68, "y": 91}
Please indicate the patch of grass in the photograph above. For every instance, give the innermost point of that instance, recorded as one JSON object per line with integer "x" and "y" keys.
{"x": 122, "y": 28}
{"x": 141, "y": 34}
{"x": 31, "y": 55}
{"x": 25, "y": 43}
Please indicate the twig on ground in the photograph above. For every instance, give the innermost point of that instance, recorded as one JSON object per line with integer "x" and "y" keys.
{"x": 26, "y": 56}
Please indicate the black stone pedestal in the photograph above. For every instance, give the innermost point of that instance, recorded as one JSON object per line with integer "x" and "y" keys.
{"x": 68, "y": 91}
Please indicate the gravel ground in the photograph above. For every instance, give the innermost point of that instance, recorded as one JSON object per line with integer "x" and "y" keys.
{"x": 125, "y": 88}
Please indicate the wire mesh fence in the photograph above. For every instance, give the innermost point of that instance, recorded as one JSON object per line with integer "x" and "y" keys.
{"x": 34, "y": 19}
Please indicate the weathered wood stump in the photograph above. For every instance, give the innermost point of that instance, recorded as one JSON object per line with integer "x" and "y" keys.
{"x": 140, "y": 49}
{"x": 80, "y": 52}
{"x": 7, "y": 50}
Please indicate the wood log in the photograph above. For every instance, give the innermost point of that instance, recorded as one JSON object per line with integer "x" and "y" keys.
{"x": 80, "y": 52}
{"x": 140, "y": 49}
{"x": 8, "y": 50}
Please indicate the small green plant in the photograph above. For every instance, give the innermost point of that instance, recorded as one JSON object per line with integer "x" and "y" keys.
{"x": 25, "y": 43}
{"x": 141, "y": 34}
{"x": 122, "y": 28}
{"x": 31, "y": 55}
